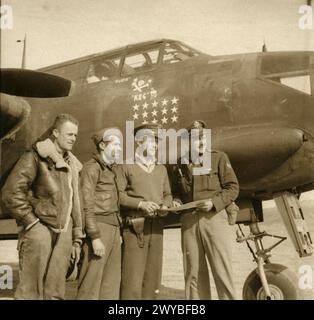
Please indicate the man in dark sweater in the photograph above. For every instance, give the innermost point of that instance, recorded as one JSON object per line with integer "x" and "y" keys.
{"x": 203, "y": 230}
{"x": 101, "y": 267}
{"x": 144, "y": 188}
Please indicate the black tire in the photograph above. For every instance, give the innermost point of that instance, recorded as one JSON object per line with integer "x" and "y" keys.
{"x": 283, "y": 284}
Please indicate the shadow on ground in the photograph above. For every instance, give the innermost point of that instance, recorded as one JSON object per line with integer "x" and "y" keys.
{"x": 166, "y": 293}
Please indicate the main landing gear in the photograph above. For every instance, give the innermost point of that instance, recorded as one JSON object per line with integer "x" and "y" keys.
{"x": 274, "y": 281}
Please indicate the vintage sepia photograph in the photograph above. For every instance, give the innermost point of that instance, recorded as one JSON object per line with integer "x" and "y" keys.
{"x": 157, "y": 150}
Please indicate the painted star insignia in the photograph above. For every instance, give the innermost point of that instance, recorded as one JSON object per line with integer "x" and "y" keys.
{"x": 164, "y": 102}
{"x": 174, "y": 109}
{"x": 164, "y": 120}
{"x": 135, "y": 116}
{"x": 155, "y": 103}
{"x": 154, "y": 121}
{"x": 135, "y": 107}
{"x": 174, "y": 100}
{"x": 145, "y": 105}
{"x": 174, "y": 118}
{"x": 145, "y": 114}
{"x": 164, "y": 111}
{"x": 154, "y": 113}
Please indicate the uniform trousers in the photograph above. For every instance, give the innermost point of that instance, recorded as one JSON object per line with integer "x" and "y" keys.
{"x": 142, "y": 267}
{"x": 203, "y": 235}
{"x": 44, "y": 258}
{"x": 100, "y": 277}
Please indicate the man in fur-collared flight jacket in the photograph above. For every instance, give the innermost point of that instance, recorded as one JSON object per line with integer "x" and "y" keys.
{"x": 42, "y": 194}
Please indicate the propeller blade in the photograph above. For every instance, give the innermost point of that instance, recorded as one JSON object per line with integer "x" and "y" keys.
{"x": 29, "y": 83}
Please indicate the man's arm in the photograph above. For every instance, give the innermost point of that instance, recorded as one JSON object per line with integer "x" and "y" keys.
{"x": 15, "y": 193}
{"x": 122, "y": 182}
{"x": 173, "y": 174}
{"x": 167, "y": 196}
{"x": 229, "y": 184}
{"x": 89, "y": 178}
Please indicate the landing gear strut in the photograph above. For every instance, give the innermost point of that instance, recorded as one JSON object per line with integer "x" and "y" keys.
{"x": 268, "y": 281}
{"x": 274, "y": 281}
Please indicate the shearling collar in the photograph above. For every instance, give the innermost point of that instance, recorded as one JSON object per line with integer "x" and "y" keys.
{"x": 47, "y": 149}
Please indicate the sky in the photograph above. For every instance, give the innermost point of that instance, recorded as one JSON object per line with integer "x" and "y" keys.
{"x": 62, "y": 30}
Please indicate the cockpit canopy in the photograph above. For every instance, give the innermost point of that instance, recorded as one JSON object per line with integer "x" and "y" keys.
{"x": 138, "y": 59}
{"x": 125, "y": 61}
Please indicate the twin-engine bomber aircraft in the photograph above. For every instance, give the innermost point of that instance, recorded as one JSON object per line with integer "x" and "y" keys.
{"x": 260, "y": 107}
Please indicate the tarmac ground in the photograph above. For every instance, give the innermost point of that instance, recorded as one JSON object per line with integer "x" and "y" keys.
{"x": 243, "y": 264}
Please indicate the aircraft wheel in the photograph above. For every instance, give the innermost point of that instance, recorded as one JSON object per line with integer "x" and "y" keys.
{"x": 282, "y": 284}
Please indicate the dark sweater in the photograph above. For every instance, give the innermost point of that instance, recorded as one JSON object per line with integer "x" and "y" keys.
{"x": 136, "y": 185}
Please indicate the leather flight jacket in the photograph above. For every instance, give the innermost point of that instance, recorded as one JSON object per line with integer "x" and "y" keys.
{"x": 41, "y": 188}
{"x": 100, "y": 195}
{"x": 219, "y": 184}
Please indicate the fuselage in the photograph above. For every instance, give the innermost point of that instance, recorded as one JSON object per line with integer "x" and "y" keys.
{"x": 264, "y": 122}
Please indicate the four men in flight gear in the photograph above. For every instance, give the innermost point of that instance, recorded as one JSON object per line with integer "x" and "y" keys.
{"x": 143, "y": 191}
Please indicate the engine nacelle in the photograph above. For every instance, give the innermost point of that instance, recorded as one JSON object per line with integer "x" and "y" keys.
{"x": 247, "y": 146}
{"x": 14, "y": 112}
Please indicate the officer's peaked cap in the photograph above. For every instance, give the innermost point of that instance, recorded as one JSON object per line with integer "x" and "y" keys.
{"x": 149, "y": 129}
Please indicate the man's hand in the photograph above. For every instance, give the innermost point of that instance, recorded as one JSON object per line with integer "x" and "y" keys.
{"x": 176, "y": 203}
{"x": 149, "y": 207}
{"x": 163, "y": 213}
{"x": 205, "y": 205}
{"x": 76, "y": 253}
{"x": 98, "y": 247}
